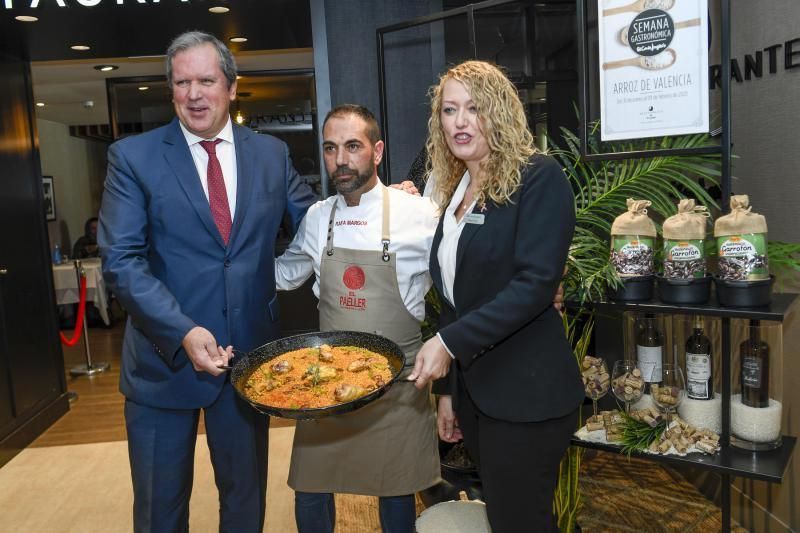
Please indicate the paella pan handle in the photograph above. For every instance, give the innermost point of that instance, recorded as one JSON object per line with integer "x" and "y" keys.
{"x": 406, "y": 367}
{"x": 236, "y": 353}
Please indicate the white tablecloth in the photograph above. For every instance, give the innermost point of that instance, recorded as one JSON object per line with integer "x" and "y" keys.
{"x": 66, "y": 283}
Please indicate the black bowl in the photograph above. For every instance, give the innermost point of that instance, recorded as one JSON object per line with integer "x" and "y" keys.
{"x": 748, "y": 293}
{"x": 684, "y": 291}
{"x": 454, "y": 480}
{"x": 633, "y": 289}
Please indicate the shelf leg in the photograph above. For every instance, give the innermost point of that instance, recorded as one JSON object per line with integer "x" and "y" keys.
{"x": 725, "y": 435}
{"x": 726, "y": 503}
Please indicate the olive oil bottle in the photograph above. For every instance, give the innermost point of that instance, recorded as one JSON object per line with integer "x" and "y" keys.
{"x": 754, "y": 374}
{"x": 649, "y": 349}
{"x": 699, "y": 364}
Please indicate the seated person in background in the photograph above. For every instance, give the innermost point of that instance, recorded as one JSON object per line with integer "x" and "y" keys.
{"x": 86, "y": 245}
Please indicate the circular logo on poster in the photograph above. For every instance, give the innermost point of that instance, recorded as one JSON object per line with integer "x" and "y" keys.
{"x": 651, "y": 32}
{"x": 353, "y": 277}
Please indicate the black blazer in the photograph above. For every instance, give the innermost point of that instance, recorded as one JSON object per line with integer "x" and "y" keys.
{"x": 508, "y": 340}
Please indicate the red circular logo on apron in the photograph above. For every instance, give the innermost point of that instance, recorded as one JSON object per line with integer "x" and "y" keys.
{"x": 353, "y": 277}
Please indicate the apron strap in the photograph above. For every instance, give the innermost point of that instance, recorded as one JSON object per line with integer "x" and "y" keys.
{"x": 329, "y": 245}
{"x": 384, "y": 228}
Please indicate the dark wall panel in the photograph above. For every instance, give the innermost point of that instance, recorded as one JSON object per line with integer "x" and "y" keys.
{"x": 353, "y": 62}
{"x": 31, "y": 361}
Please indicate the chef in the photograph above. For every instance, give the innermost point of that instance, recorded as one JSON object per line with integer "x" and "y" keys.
{"x": 368, "y": 248}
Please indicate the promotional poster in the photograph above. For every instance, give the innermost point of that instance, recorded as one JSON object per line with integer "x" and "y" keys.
{"x": 653, "y": 68}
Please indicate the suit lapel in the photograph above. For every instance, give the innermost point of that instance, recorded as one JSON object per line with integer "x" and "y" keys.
{"x": 179, "y": 159}
{"x": 245, "y": 165}
{"x": 435, "y": 269}
{"x": 468, "y": 233}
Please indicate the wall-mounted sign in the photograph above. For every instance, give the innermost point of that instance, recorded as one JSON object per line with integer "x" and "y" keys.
{"x": 11, "y": 4}
{"x": 786, "y": 54}
{"x": 653, "y": 68}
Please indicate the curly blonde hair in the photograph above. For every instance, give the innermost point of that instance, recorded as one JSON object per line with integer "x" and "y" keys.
{"x": 504, "y": 125}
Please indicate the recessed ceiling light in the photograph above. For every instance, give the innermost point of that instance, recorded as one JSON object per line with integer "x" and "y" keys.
{"x": 80, "y": 47}
{"x": 26, "y": 18}
{"x": 238, "y": 39}
{"x": 105, "y": 68}
{"x": 143, "y": 88}
{"x": 218, "y": 10}
{"x": 39, "y": 104}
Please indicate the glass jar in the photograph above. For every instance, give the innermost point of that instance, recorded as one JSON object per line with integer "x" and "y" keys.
{"x": 743, "y": 257}
{"x": 632, "y": 255}
{"x": 684, "y": 259}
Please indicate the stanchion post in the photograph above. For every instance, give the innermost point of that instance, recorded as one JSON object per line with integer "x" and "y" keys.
{"x": 88, "y": 369}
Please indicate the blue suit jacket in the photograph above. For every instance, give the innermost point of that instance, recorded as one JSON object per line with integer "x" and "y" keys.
{"x": 166, "y": 262}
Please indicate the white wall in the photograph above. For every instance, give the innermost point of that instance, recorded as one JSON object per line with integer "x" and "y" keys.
{"x": 78, "y": 167}
{"x": 765, "y": 112}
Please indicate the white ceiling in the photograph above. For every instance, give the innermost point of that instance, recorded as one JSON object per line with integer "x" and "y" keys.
{"x": 65, "y": 87}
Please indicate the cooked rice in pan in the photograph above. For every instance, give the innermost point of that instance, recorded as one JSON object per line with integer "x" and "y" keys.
{"x": 318, "y": 377}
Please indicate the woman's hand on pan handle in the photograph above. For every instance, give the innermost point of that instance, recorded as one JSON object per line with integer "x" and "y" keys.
{"x": 446, "y": 421}
{"x": 433, "y": 362}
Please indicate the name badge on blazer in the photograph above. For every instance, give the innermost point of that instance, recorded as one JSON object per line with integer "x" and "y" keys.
{"x": 474, "y": 218}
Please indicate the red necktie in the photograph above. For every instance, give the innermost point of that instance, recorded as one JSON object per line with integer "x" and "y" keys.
{"x": 217, "y": 195}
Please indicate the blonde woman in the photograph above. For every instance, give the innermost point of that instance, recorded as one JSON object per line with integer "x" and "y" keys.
{"x": 513, "y": 386}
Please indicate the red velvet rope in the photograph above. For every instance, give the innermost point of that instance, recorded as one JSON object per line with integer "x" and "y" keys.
{"x": 76, "y": 335}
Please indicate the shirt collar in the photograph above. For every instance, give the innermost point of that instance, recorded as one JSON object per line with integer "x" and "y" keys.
{"x": 459, "y": 193}
{"x": 375, "y": 194}
{"x": 226, "y": 134}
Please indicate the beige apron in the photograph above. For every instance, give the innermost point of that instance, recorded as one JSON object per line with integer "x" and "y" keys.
{"x": 389, "y": 447}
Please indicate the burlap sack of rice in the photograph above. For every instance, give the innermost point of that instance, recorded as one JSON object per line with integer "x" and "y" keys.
{"x": 684, "y": 242}
{"x": 742, "y": 242}
{"x": 633, "y": 237}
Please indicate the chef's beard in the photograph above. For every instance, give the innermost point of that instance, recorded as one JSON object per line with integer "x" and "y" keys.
{"x": 355, "y": 184}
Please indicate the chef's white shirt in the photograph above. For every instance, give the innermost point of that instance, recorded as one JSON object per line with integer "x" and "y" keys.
{"x": 226, "y": 155}
{"x": 412, "y": 223}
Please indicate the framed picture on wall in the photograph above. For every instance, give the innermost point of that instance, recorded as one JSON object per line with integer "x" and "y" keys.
{"x": 49, "y": 195}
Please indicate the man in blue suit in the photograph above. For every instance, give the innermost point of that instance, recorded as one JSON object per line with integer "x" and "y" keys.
{"x": 187, "y": 233}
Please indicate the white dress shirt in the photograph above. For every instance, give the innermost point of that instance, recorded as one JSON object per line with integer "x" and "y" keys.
{"x": 412, "y": 223}
{"x": 226, "y": 154}
{"x": 451, "y": 233}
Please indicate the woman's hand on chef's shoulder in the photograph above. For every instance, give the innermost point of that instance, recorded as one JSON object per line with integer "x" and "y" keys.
{"x": 406, "y": 186}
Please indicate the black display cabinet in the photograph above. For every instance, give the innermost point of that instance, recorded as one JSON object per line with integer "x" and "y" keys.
{"x": 730, "y": 461}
